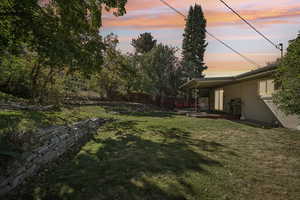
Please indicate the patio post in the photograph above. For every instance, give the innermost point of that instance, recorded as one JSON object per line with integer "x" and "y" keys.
{"x": 196, "y": 98}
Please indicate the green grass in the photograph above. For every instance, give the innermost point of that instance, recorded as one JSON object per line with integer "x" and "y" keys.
{"x": 160, "y": 155}
{"x": 17, "y": 127}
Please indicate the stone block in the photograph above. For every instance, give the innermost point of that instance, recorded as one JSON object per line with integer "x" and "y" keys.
{"x": 31, "y": 170}
{"x": 81, "y": 123}
{"x": 42, "y": 150}
{"x": 47, "y": 137}
{"x": 17, "y": 180}
{"x": 20, "y": 170}
{"x": 49, "y": 156}
{"x": 54, "y": 140}
{"x": 63, "y": 136}
{"x": 70, "y": 141}
{"x": 38, "y": 160}
{"x": 60, "y": 149}
{"x": 30, "y": 157}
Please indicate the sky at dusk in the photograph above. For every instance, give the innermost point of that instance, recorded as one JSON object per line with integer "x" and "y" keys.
{"x": 278, "y": 19}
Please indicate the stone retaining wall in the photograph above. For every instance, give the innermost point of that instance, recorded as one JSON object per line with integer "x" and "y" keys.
{"x": 17, "y": 106}
{"x": 54, "y": 142}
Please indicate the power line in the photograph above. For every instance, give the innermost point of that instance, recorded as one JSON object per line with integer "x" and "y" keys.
{"x": 254, "y": 63}
{"x": 174, "y": 9}
{"x": 280, "y": 47}
{"x": 211, "y": 35}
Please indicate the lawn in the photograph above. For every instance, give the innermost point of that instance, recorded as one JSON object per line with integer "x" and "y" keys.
{"x": 161, "y": 155}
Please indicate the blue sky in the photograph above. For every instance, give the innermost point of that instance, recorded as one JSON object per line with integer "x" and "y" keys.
{"x": 279, "y": 20}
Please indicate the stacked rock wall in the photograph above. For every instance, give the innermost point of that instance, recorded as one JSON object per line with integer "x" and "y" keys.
{"x": 50, "y": 144}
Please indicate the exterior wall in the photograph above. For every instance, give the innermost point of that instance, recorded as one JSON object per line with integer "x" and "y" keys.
{"x": 290, "y": 121}
{"x": 253, "y": 107}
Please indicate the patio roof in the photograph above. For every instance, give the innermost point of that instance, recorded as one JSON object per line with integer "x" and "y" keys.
{"x": 212, "y": 82}
{"x": 207, "y": 82}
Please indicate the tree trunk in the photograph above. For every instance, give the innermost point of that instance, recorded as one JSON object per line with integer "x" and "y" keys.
{"x": 45, "y": 92}
{"x": 34, "y": 81}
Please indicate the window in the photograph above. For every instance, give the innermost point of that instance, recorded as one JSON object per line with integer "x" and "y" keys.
{"x": 266, "y": 87}
{"x": 219, "y": 99}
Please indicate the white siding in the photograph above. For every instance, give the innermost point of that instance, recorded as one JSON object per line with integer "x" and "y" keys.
{"x": 253, "y": 107}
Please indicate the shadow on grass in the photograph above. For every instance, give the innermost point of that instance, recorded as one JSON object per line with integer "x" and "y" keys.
{"x": 126, "y": 166}
{"x": 9, "y": 123}
{"x": 184, "y": 137}
{"x": 16, "y": 129}
{"x": 253, "y": 124}
{"x": 138, "y": 112}
{"x": 151, "y": 114}
{"x": 10, "y": 120}
{"x": 14, "y": 121}
{"x": 8, "y": 151}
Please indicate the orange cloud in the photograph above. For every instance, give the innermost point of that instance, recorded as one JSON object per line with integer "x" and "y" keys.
{"x": 133, "y": 5}
{"x": 147, "y": 22}
{"x": 214, "y": 18}
{"x": 136, "y": 5}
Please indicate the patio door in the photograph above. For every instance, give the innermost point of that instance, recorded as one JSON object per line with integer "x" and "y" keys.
{"x": 219, "y": 99}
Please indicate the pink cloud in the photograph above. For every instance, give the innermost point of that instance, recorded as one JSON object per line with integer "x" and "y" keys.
{"x": 214, "y": 18}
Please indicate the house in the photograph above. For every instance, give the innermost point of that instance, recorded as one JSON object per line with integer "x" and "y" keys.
{"x": 248, "y": 96}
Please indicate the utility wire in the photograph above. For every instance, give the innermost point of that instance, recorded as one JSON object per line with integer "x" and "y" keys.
{"x": 174, "y": 9}
{"x": 229, "y": 47}
{"x": 211, "y": 35}
{"x": 279, "y": 46}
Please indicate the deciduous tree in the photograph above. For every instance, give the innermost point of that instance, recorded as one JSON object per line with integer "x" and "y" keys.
{"x": 63, "y": 35}
{"x": 163, "y": 72}
{"x": 144, "y": 43}
{"x": 288, "y": 79}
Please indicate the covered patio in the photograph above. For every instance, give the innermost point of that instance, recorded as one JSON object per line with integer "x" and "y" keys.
{"x": 208, "y": 99}
{"x": 207, "y": 114}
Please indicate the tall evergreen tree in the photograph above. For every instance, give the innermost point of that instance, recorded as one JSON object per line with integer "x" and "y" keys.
{"x": 194, "y": 43}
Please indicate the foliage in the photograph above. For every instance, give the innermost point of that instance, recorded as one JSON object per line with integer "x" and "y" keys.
{"x": 163, "y": 71}
{"x": 61, "y": 32}
{"x": 61, "y": 37}
{"x": 132, "y": 73}
{"x": 288, "y": 79}
{"x": 144, "y": 43}
{"x": 118, "y": 73}
{"x": 156, "y": 72}
{"x": 194, "y": 43}
{"x": 15, "y": 74}
{"x": 108, "y": 78}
